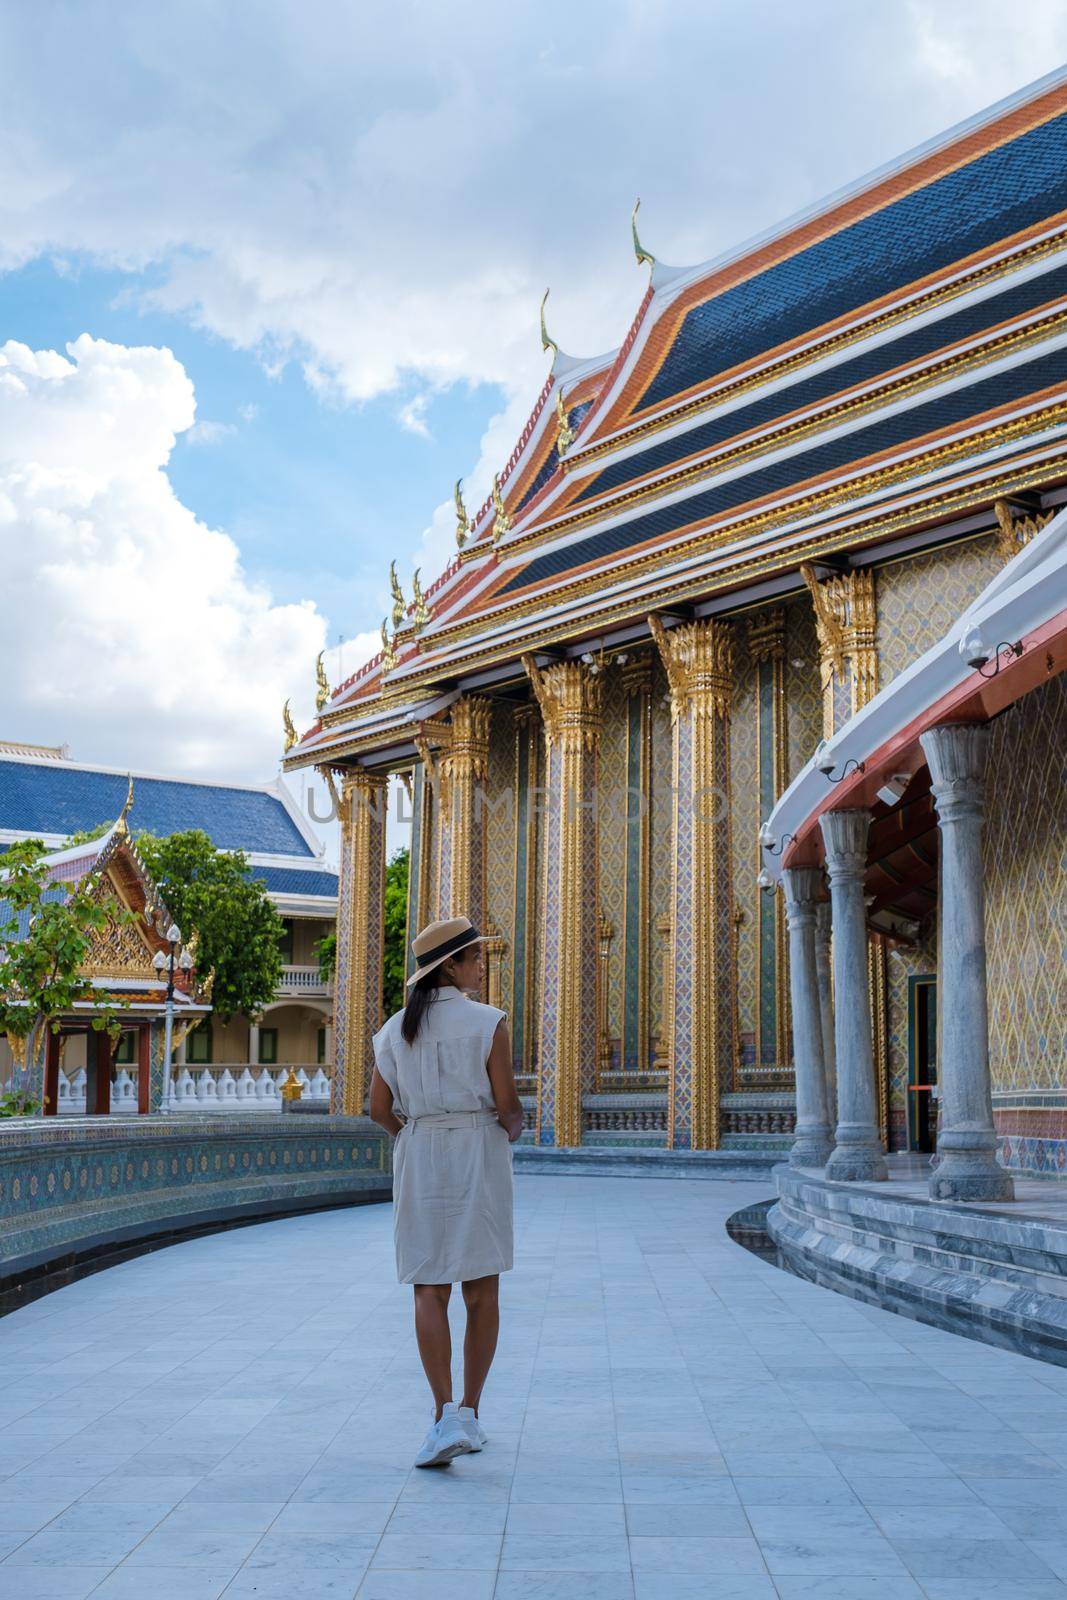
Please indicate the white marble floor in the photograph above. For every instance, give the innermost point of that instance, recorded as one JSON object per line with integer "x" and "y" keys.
{"x": 670, "y": 1418}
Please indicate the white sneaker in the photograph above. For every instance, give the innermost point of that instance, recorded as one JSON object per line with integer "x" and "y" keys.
{"x": 473, "y": 1428}
{"x": 445, "y": 1440}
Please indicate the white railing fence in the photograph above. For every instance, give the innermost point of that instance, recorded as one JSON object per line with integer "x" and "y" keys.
{"x": 302, "y": 980}
{"x": 204, "y": 1088}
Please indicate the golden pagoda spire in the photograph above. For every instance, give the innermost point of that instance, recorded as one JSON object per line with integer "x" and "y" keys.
{"x": 639, "y": 250}
{"x": 565, "y": 435}
{"x": 422, "y": 610}
{"x": 322, "y": 683}
{"x": 501, "y": 521}
{"x": 388, "y": 648}
{"x": 547, "y": 342}
{"x": 291, "y": 735}
{"x": 399, "y": 603}
{"x": 463, "y": 522}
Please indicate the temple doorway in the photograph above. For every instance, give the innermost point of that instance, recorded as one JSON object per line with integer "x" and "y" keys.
{"x": 922, "y": 1063}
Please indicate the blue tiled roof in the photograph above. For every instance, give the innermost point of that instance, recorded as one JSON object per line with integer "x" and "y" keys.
{"x": 943, "y": 412}
{"x": 912, "y": 344}
{"x": 551, "y": 461}
{"x": 296, "y": 880}
{"x": 53, "y": 893}
{"x": 59, "y": 798}
{"x": 996, "y": 195}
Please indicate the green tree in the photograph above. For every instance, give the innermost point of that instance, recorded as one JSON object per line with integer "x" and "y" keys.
{"x": 45, "y": 935}
{"x": 326, "y": 955}
{"x": 212, "y": 893}
{"x": 396, "y": 924}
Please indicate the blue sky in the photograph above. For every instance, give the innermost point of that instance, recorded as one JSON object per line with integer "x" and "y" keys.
{"x": 312, "y": 488}
{"x": 340, "y": 220}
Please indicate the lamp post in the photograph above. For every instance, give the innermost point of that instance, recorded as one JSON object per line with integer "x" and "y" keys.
{"x": 163, "y": 963}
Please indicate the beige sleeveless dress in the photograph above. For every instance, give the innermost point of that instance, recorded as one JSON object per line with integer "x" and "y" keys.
{"x": 452, "y": 1199}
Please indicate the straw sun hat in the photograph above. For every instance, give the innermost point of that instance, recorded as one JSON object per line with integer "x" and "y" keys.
{"x": 439, "y": 940}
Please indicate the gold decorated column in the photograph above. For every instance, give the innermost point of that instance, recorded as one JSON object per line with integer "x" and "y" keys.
{"x": 568, "y": 693}
{"x": 464, "y": 767}
{"x": 634, "y": 1024}
{"x": 698, "y": 657}
{"x": 360, "y": 936}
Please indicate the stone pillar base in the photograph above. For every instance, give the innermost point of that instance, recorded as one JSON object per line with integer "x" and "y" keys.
{"x": 812, "y": 1147}
{"x": 857, "y": 1159}
{"x": 968, "y": 1168}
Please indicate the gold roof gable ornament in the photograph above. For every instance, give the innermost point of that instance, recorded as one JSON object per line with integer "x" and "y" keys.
{"x": 291, "y": 735}
{"x": 322, "y": 683}
{"x": 639, "y": 250}
{"x": 463, "y": 522}
{"x": 547, "y": 342}
{"x": 421, "y": 612}
{"x": 121, "y": 825}
{"x": 565, "y": 433}
{"x": 501, "y": 521}
{"x": 388, "y": 648}
{"x": 399, "y": 603}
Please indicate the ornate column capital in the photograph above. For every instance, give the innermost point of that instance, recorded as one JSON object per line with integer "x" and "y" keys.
{"x": 467, "y": 753}
{"x": 956, "y": 755}
{"x": 637, "y": 673}
{"x": 766, "y": 635}
{"x": 568, "y": 693}
{"x": 698, "y": 658}
{"x": 802, "y": 885}
{"x": 845, "y": 838}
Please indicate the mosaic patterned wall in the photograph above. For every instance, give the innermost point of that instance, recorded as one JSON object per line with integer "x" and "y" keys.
{"x": 803, "y": 696}
{"x": 1025, "y": 851}
{"x": 745, "y": 820}
{"x": 500, "y": 838}
{"x": 612, "y": 827}
{"x": 659, "y": 841}
{"x": 919, "y": 599}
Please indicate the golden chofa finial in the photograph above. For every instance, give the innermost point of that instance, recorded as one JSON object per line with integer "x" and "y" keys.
{"x": 290, "y": 732}
{"x": 547, "y": 342}
{"x": 388, "y": 648}
{"x": 399, "y": 603}
{"x": 463, "y": 522}
{"x": 501, "y": 521}
{"x": 639, "y": 250}
{"x": 120, "y": 824}
{"x": 565, "y": 433}
{"x": 421, "y": 613}
{"x": 322, "y": 683}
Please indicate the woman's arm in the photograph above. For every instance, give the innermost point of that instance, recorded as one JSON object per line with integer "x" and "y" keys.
{"x": 502, "y": 1080}
{"x": 381, "y": 1104}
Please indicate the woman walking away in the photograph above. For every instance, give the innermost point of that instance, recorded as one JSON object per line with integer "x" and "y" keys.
{"x": 443, "y": 1085}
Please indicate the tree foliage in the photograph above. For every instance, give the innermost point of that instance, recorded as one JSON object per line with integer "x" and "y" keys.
{"x": 46, "y": 932}
{"x": 212, "y": 893}
{"x": 396, "y": 922}
{"x": 326, "y": 955}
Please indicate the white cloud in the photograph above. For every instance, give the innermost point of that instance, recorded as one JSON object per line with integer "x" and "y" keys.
{"x": 412, "y": 415}
{"x": 210, "y": 432}
{"x": 130, "y": 628}
{"x": 248, "y": 412}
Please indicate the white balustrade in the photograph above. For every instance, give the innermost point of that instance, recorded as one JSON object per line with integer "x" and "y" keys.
{"x": 77, "y": 1091}
{"x": 233, "y": 1088}
{"x": 302, "y": 980}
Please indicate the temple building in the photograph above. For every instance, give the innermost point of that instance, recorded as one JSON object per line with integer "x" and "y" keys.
{"x": 710, "y": 550}
{"x": 121, "y": 982}
{"x": 46, "y": 795}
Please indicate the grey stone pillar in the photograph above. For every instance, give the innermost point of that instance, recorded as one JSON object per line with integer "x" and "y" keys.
{"x": 826, "y": 1005}
{"x": 812, "y": 1144}
{"x": 858, "y": 1155}
{"x": 967, "y": 1168}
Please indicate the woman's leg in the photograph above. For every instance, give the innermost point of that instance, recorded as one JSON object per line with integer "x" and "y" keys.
{"x": 434, "y": 1339}
{"x": 479, "y": 1344}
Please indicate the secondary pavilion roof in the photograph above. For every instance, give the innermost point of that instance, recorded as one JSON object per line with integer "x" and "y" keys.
{"x": 866, "y": 378}
{"x": 49, "y": 797}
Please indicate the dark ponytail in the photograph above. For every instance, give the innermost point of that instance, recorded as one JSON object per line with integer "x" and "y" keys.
{"x": 422, "y": 993}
